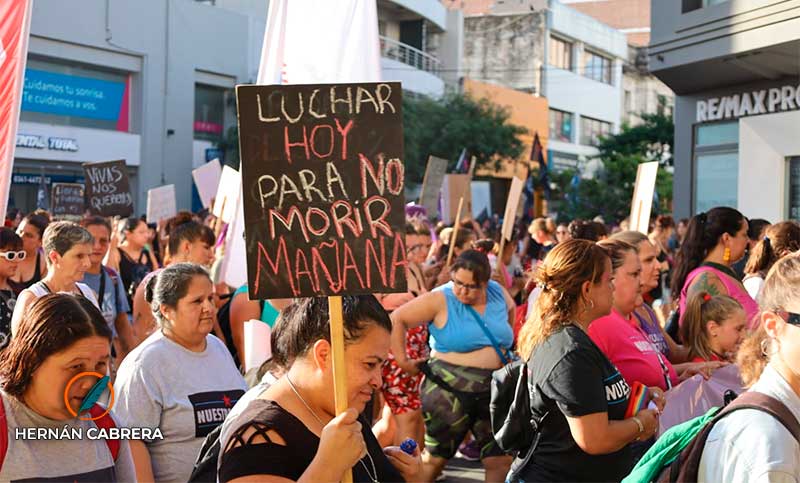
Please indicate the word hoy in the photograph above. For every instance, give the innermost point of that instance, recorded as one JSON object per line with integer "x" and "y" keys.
{"x": 764, "y": 101}
{"x": 350, "y": 100}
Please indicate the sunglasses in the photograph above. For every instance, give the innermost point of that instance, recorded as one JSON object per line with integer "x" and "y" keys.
{"x": 792, "y": 318}
{"x": 11, "y": 256}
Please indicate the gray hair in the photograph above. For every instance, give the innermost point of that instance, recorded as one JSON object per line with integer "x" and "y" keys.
{"x": 170, "y": 285}
{"x": 61, "y": 236}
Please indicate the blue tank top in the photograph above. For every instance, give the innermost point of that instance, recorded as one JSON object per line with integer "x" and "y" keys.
{"x": 268, "y": 313}
{"x": 462, "y": 333}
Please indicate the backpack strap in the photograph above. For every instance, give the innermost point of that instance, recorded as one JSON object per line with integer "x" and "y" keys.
{"x": 106, "y": 422}
{"x": 687, "y": 465}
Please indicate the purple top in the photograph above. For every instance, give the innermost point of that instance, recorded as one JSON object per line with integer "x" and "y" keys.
{"x": 652, "y": 330}
{"x": 734, "y": 288}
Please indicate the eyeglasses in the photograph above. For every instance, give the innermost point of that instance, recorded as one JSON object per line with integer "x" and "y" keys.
{"x": 11, "y": 256}
{"x": 792, "y": 318}
{"x": 465, "y": 286}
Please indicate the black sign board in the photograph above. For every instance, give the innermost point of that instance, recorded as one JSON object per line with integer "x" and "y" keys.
{"x": 67, "y": 201}
{"x": 108, "y": 191}
{"x": 323, "y": 181}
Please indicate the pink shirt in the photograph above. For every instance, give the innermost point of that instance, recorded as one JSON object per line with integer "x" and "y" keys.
{"x": 734, "y": 288}
{"x": 628, "y": 348}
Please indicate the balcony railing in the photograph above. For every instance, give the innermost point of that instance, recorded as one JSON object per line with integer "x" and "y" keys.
{"x": 392, "y": 49}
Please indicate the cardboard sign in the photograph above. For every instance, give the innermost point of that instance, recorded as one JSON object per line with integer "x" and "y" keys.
{"x": 643, "y": 196}
{"x": 323, "y": 182}
{"x": 455, "y": 186}
{"x": 206, "y": 178}
{"x": 161, "y": 203}
{"x": 431, "y": 185}
{"x": 108, "y": 191}
{"x": 67, "y": 201}
{"x": 228, "y": 192}
{"x": 514, "y": 195}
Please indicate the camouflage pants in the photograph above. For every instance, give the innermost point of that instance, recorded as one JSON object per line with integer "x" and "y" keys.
{"x": 448, "y": 416}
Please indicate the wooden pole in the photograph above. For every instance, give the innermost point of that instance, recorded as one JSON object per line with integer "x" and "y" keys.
{"x": 455, "y": 231}
{"x": 339, "y": 369}
{"x": 500, "y": 264}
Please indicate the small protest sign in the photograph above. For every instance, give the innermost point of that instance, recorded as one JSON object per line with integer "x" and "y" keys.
{"x": 206, "y": 178}
{"x": 228, "y": 192}
{"x": 108, "y": 191}
{"x": 323, "y": 189}
{"x": 642, "y": 202}
{"x": 514, "y": 195}
{"x": 432, "y": 184}
{"x": 161, "y": 203}
{"x": 67, "y": 201}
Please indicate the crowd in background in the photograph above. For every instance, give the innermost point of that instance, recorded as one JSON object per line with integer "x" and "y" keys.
{"x": 596, "y": 312}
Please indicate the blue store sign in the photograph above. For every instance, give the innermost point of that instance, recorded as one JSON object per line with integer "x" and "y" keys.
{"x": 69, "y": 95}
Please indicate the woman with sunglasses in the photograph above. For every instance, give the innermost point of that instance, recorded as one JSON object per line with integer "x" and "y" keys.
{"x": 749, "y": 444}
{"x": 11, "y": 254}
{"x": 33, "y": 267}
{"x": 469, "y": 320}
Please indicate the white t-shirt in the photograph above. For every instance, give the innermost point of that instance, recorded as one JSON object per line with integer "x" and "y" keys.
{"x": 753, "y": 286}
{"x": 185, "y": 394}
{"x": 750, "y": 445}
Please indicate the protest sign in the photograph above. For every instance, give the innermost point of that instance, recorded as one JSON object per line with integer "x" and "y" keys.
{"x": 108, "y": 191}
{"x": 67, "y": 201}
{"x": 642, "y": 201}
{"x": 257, "y": 348}
{"x": 432, "y": 184}
{"x": 512, "y": 204}
{"x": 323, "y": 189}
{"x": 206, "y": 178}
{"x": 228, "y": 192}
{"x": 161, "y": 203}
{"x": 454, "y": 188}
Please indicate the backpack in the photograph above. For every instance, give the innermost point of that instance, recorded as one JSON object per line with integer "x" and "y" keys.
{"x": 513, "y": 425}
{"x": 686, "y": 466}
{"x": 205, "y": 465}
{"x": 105, "y": 422}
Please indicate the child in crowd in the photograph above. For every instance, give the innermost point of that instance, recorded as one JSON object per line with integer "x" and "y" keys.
{"x": 713, "y": 328}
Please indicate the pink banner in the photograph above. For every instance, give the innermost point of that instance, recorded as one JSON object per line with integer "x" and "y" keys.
{"x": 14, "y": 29}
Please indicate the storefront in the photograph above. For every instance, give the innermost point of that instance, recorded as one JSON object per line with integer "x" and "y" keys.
{"x": 70, "y": 115}
{"x": 745, "y": 149}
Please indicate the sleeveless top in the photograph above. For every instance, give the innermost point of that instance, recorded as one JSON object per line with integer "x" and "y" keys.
{"x": 133, "y": 271}
{"x": 290, "y": 460}
{"x": 734, "y": 288}
{"x": 461, "y": 332}
{"x": 268, "y": 313}
{"x": 37, "y": 275}
{"x": 40, "y": 290}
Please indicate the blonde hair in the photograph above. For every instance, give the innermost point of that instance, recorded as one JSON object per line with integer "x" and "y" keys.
{"x": 780, "y": 289}
{"x": 565, "y": 269}
{"x": 700, "y": 309}
{"x": 780, "y": 238}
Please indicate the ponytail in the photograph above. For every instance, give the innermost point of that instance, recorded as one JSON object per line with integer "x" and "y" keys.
{"x": 779, "y": 239}
{"x": 700, "y": 309}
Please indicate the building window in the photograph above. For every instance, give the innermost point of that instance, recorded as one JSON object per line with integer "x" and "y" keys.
{"x": 560, "y": 126}
{"x": 592, "y": 130}
{"x": 560, "y": 53}
{"x": 209, "y": 112}
{"x": 692, "y": 5}
{"x": 716, "y": 165}
{"x": 597, "y": 67}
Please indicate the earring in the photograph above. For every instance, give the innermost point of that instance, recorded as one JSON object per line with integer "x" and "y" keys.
{"x": 764, "y": 347}
{"x": 586, "y": 309}
{"x": 726, "y": 255}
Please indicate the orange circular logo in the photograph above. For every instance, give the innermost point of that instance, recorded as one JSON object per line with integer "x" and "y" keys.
{"x": 73, "y": 381}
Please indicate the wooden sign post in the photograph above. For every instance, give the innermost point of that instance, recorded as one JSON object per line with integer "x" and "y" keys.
{"x": 322, "y": 190}
{"x": 455, "y": 232}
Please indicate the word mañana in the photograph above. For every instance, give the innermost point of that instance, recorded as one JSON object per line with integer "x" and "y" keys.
{"x": 318, "y": 104}
{"x": 72, "y": 433}
{"x": 333, "y": 263}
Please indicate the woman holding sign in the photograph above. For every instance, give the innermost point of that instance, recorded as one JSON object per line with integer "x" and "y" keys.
{"x": 469, "y": 320}
{"x": 291, "y": 431}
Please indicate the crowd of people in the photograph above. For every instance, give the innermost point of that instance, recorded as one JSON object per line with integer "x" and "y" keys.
{"x": 597, "y": 313}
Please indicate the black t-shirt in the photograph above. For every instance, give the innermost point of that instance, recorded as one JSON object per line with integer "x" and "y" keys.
{"x": 570, "y": 376}
{"x": 291, "y": 461}
{"x": 7, "y": 302}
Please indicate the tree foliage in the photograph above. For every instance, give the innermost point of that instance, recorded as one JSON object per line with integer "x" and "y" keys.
{"x": 609, "y": 192}
{"x": 444, "y": 127}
